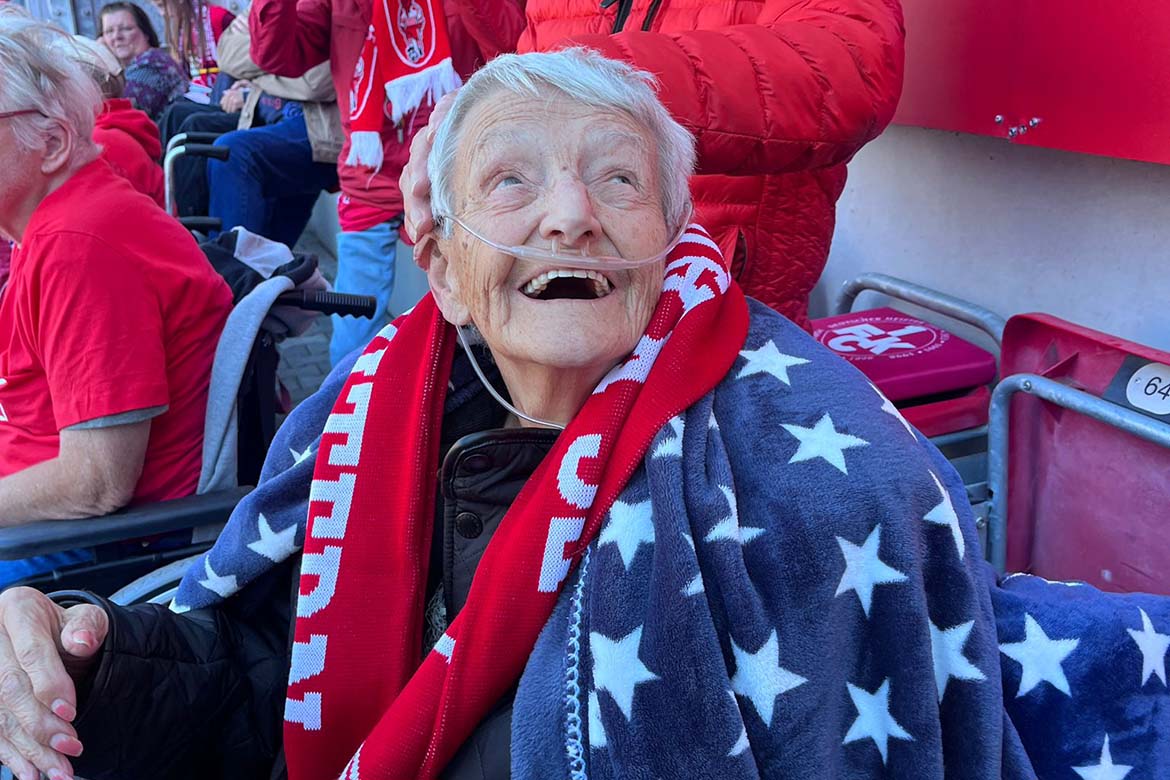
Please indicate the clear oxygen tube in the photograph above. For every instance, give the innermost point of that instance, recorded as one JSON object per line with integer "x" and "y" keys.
{"x": 492, "y": 390}
{"x": 564, "y": 257}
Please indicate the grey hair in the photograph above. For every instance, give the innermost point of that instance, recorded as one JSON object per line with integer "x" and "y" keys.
{"x": 584, "y": 75}
{"x": 42, "y": 71}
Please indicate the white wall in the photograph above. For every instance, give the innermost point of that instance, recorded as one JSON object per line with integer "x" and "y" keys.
{"x": 1010, "y": 227}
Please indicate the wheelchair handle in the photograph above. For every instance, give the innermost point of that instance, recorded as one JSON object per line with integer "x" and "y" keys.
{"x": 206, "y": 150}
{"x": 202, "y": 224}
{"x": 195, "y": 137}
{"x": 344, "y": 304}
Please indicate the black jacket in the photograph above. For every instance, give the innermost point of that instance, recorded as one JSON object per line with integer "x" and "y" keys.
{"x": 201, "y": 695}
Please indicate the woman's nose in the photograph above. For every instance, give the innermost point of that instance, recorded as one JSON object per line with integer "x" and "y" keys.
{"x": 570, "y": 219}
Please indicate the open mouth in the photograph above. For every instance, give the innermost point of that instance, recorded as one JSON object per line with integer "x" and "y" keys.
{"x": 571, "y": 284}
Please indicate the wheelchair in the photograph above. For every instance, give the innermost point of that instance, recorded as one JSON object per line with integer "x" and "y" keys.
{"x": 240, "y": 424}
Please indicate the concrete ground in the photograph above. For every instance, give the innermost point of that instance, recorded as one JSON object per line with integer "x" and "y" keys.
{"x": 304, "y": 360}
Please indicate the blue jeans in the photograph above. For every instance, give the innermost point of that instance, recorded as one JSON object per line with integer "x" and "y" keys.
{"x": 14, "y": 571}
{"x": 269, "y": 183}
{"x": 365, "y": 266}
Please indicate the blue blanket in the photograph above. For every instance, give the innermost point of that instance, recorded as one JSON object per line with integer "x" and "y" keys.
{"x": 790, "y": 586}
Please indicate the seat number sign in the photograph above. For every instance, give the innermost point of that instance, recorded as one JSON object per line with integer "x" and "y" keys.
{"x": 1143, "y": 386}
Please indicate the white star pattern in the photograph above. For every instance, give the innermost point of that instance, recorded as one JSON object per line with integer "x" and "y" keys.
{"x": 1105, "y": 769}
{"x": 629, "y": 527}
{"x": 864, "y": 569}
{"x": 617, "y": 667}
{"x": 301, "y": 457}
{"x": 742, "y": 743}
{"x": 728, "y": 528}
{"x": 945, "y": 514}
{"x": 1040, "y": 658}
{"x": 889, "y": 408}
{"x": 221, "y": 586}
{"x": 671, "y": 445}
{"x": 823, "y": 441}
{"x": 759, "y": 678}
{"x": 695, "y": 586}
{"x": 874, "y": 720}
{"x": 769, "y": 360}
{"x": 597, "y": 737}
{"x": 946, "y": 648}
{"x": 276, "y": 546}
{"x": 1153, "y": 646}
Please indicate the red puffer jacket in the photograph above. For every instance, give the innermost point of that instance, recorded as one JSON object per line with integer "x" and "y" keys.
{"x": 780, "y": 95}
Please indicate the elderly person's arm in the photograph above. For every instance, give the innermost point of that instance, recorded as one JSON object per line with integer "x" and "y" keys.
{"x": 235, "y": 59}
{"x": 94, "y": 474}
{"x": 807, "y": 85}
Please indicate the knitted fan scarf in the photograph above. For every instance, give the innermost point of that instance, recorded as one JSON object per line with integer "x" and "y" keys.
{"x": 406, "y": 57}
{"x": 361, "y": 702}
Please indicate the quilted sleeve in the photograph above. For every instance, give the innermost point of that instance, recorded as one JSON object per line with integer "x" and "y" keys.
{"x": 190, "y": 696}
{"x": 806, "y": 86}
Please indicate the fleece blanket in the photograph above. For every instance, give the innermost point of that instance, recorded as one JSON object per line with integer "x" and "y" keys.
{"x": 790, "y": 585}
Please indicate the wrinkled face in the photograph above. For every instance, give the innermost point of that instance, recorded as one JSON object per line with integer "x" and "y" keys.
{"x": 531, "y": 171}
{"x": 122, "y": 34}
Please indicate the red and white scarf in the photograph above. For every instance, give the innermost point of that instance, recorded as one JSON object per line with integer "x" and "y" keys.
{"x": 361, "y": 702}
{"x": 406, "y": 57}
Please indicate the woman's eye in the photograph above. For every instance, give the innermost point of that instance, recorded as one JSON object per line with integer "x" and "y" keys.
{"x": 621, "y": 178}
{"x": 507, "y": 181}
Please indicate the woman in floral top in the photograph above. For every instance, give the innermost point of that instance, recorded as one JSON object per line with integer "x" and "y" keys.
{"x": 153, "y": 78}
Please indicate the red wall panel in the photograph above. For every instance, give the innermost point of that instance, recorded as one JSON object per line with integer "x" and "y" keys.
{"x": 1095, "y": 74}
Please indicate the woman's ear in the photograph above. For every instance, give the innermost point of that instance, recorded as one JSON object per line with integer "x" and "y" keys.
{"x": 444, "y": 282}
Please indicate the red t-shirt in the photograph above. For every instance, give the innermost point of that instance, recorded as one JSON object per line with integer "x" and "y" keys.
{"x": 111, "y": 308}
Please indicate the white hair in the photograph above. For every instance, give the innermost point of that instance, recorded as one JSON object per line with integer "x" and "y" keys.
{"x": 42, "y": 72}
{"x": 584, "y": 75}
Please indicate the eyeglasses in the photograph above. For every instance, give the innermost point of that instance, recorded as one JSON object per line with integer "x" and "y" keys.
{"x": 22, "y": 112}
{"x": 122, "y": 29}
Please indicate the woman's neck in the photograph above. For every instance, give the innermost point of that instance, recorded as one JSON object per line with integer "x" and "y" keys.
{"x": 548, "y": 393}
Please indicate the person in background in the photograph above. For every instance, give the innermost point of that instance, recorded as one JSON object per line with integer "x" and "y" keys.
{"x": 153, "y": 78}
{"x": 291, "y": 36}
{"x": 780, "y": 94}
{"x": 284, "y": 153}
{"x": 109, "y": 323}
{"x": 129, "y": 140}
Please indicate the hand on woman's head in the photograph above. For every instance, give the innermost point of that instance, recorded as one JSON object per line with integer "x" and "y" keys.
{"x": 414, "y": 182}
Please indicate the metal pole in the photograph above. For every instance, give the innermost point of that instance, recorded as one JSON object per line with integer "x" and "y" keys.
{"x": 999, "y": 431}
{"x": 956, "y": 308}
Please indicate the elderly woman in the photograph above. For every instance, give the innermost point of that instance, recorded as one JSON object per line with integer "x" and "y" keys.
{"x": 153, "y": 78}
{"x": 584, "y": 512}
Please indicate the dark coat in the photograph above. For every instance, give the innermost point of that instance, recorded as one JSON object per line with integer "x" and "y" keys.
{"x": 201, "y": 695}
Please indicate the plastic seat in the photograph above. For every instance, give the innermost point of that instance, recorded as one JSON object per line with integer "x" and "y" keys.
{"x": 1080, "y": 457}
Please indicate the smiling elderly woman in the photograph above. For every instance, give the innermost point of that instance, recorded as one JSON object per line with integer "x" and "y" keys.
{"x": 735, "y": 560}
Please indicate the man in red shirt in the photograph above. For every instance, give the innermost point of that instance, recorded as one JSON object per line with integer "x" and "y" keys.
{"x": 110, "y": 320}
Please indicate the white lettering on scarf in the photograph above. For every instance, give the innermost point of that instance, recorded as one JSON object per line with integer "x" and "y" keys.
{"x": 687, "y": 285}
{"x": 555, "y": 567}
{"x": 352, "y": 424}
{"x": 331, "y": 522}
{"x": 637, "y": 368}
{"x": 574, "y": 490}
{"x": 339, "y": 496}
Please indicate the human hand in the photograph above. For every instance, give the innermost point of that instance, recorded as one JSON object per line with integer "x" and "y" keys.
{"x": 43, "y": 649}
{"x": 414, "y": 182}
{"x": 232, "y": 101}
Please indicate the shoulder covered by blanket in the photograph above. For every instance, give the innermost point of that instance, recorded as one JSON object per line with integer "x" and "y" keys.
{"x": 789, "y": 586}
